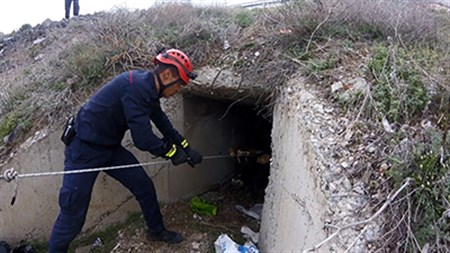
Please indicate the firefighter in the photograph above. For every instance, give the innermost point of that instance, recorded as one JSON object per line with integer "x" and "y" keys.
{"x": 129, "y": 101}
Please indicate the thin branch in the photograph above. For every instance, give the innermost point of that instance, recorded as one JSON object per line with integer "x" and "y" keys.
{"x": 315, "y": 30}
{"x": 385, "y": 205}
{"x": 229, "y": 107}
{"x": 356, "y": 239}
{"x": 215, "y": 78}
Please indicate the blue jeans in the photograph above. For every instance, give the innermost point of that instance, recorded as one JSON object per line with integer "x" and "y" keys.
{"x": 76, "y": 7}
{"x": 75, "y": 193}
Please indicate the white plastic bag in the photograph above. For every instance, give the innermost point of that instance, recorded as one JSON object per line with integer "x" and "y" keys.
{"x": 225, "y": 244}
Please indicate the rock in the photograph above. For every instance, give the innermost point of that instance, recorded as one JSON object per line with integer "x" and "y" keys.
{"x": 84, "y": 249}
{"x": 353, "y": 87}
{"x": 338, "y": 86}
{"x": 39, "y": 57}
{"x": 195, "y": 245}
{"x": 371, "y": 149}
{"x": 38, "y": 41}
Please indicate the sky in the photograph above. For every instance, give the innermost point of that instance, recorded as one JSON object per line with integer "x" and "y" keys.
{"x": 16, "y": 13}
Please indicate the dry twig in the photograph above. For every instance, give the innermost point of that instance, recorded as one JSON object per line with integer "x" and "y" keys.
{"x": 315, "y": 30}
{"x": 229, "y": 107}
{"x": 372, "y": 218}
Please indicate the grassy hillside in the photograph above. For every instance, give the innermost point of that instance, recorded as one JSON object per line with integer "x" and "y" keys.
{"x": 401, "y": 48}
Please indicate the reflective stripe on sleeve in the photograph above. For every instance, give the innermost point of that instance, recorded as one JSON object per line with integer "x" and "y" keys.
{"x": 184, "y": 143}
{"x": 172, "y": 151}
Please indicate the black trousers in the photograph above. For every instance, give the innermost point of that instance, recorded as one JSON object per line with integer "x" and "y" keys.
{"x": 76, "y": 7}
{"x": 76, "y": 190}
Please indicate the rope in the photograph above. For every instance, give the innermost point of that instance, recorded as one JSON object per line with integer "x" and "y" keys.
{"x": 11, "y": 174}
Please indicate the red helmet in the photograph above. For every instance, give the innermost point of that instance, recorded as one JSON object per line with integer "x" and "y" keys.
{"x": 178, "y": 59}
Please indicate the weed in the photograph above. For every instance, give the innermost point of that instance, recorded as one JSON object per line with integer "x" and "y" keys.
{"x": 350, "y": 100}
{"x": 298, "y": 52}
{"x": 20, "y": 119}
{"x": 87, "y": 62}
{"x": 347, "y": 44}
{"x": 430, "y": 171}
{"x": 248, "y": 45}
{"x": 238, "y": 63}
{"x": 167, "y": 36}
{"x": 322, "y": 64}
{"x": 108, "y": 236}
{"x": 36, "y": 50}
{"x": 244, "y": 18}
{"x": 59, "y": 86}
{"x": 430, "y": 198}
{"x": 25, "y": 28}
{"x": 398, "y": 91}
{"x": 8, "y": 124}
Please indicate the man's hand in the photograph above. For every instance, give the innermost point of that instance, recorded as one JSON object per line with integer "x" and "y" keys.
{"x": 179, "y": 157}
{"x": 194, "y": 157}
{"x": 175, "y": 154}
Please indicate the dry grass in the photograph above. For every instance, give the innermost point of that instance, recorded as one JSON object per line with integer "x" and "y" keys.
{"x": 413, "y": 21}
{"x": 266, "y": 47}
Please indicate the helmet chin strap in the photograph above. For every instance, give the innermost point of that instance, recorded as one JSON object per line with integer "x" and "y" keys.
{"x": 162, "y": 87}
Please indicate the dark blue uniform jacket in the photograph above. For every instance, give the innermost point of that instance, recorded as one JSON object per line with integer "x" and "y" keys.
{"x": 129, "y": 101}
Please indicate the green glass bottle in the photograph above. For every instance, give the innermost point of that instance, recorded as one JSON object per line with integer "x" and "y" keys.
{"x": 201, "y": 206}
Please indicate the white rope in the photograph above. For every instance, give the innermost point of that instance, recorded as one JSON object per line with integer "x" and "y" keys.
{"x": 11, "y": 174}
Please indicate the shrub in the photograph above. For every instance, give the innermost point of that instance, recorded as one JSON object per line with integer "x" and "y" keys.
{"x": 87, "y": 62}
{"x": 244, "y": 18}
{"x": 413, "y": 21}
{"x": 398, "y": 90}
{"x": 8, "y": 124}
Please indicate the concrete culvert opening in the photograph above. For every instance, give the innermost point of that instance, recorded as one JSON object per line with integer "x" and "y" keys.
{"x": 244, "y": 133}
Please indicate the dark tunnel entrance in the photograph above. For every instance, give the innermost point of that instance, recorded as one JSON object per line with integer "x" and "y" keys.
{"x": 239, "y": 130}
{"x": 252, "y": 152}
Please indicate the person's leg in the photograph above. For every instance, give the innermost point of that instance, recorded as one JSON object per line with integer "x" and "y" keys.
{"x": 140, "y": 184}
{"x": 67, "y": 8}
{"x": 75, "y": 193}
{"x": 76, "y": 8}
{"x": 74, "y": 198}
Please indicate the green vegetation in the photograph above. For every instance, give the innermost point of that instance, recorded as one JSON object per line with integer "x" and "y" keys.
{"x": 244, "y": 18}
{"x": 20, "y": 120}
{"x": 87, "y": 62}
{"x": 7, "y": 125}
{"x": 108, "y": 236}
{"x": 429, "y": 199}
{"x": 399, "y": 91}
{"x": 25, "y": 28}
{"x": 322, "y": 64}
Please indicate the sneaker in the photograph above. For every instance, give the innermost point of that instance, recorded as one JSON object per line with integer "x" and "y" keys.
{"x": 165, "y": 236}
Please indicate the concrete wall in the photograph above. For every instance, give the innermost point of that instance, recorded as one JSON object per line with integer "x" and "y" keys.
{"x": 36, "y": 208}
{"x": 294, "y": 207}
{"x": 212, "y": 136}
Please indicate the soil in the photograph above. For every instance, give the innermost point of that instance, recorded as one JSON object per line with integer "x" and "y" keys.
{"x": 199, "y": 231}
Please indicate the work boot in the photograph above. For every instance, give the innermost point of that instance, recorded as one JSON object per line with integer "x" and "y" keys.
{"x": 165, "y": 236}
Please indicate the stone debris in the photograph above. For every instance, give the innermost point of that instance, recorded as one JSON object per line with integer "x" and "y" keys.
{"x": 332, "y": 137}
